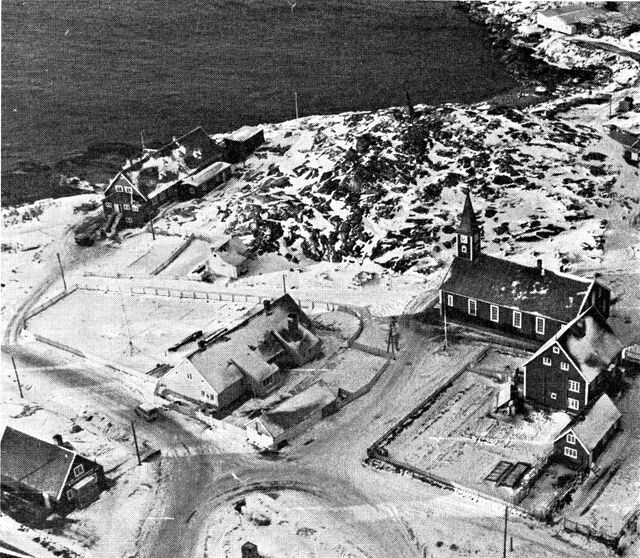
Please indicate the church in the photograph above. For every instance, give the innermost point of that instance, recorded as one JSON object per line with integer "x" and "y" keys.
{"x": 518, "y": 300}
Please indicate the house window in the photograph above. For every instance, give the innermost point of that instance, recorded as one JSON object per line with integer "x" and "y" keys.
{"x": 463, "y": 239}
{"x": 571, "y": 439}
{"x": 546, "y": 361}
{"x": 69, "y": 494}
{"x": 189, "y": 376}
{"x": 564, "y": 366}
{"x": 135, "y": 207}
{"x": 267, "y": 381}
{"x": 472, "y": 307}
{"x": 574, "y": 386}
{"x": 127, "y": 206}
{"x": 571, "y": 452}
{"x": 556, "y": 350}
{"x": 463, "y": 249}
{"x": 540, "y": 326}
{"x": 553, "y": 395}
{"x": 517, "y": 319}
{"x": 573, "y": 403}
{"x": 77, "y": 471}
{"x": 128, "y": 190}
{"x": 449, "y": 300}
{"x": 495, "y": 313}
{"x": 108, "y": 204}
{"x": 118, "y": 188}
{"x": 129, "y": 220}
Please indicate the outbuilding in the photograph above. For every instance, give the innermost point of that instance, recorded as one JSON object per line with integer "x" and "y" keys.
{"x": 242, "y": 143}
{"x": 583, "y": 441}
{"x": 292, "y": 417}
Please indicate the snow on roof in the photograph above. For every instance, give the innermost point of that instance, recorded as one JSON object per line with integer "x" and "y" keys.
{"x": 297, "y": 408}
{"x": 578, "y": 13}
{"x": 592, "y": 344}
{"x": 41, "y": 465}
{"x": 511, "y": 284}
{"x": 252, "y": 365}
{"x": 207, "y": 173}
{"x": 216, "y": 362}
{"x": 244, "y": 133}
{"x": 231, "y": 257}
{"x": 594, "y": 425}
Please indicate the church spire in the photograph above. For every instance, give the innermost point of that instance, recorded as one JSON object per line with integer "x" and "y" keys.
{"x": 468, "y": 234}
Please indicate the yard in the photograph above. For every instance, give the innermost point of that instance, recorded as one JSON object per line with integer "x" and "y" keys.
{"x": 103, "y": 324}
{"x": 460, "y": 439}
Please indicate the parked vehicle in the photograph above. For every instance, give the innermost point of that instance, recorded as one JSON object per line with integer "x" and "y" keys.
{"x": 147, "y": 411}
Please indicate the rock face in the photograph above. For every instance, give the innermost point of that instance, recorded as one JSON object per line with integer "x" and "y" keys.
{"x": 386, "y": 187}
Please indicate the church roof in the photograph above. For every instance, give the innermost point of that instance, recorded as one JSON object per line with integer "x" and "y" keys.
{"x": 468, "y": 221}
{"x": 517, "y": 286}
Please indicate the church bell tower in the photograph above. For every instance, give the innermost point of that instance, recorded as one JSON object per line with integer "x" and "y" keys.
{"x": 468, "y": 234}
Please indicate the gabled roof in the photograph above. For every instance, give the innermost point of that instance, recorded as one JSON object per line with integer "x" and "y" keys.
{"x": 219, "y": 376}
{"x": 468, "y": 221}
{"x": 591, "y": 427}
{"x": 40, "y": 465}
{"x": 244, "y": 133}
{"x": 506, "y": 283}
{"x": 587, "y": 341}
{"x": 253, "y": 366}
{"x": 294, "y": 410}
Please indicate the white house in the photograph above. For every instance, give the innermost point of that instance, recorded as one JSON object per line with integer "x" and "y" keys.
{"x": 228, "y": 257}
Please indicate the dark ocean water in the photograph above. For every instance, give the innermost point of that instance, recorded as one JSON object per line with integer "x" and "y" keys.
{"x": 76, "y": 72}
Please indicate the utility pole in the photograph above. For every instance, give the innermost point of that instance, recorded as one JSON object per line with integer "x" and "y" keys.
{"x": 13, "y": 360}
{"x": 142, "y": 140}
{"x": 135, "y": 441}
{"x": 446, "y": 340}
{"x": 153, "y": 231}
{"x": 62, "y": 271}
{"x": 295, "y": 96}
{"x": 506, "y": 519}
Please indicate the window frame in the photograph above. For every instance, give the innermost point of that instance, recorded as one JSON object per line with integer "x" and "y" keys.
{"x": 519, "y": 320}
{"x": 129, "y": 220}
{"x": 546, "y": 361}
{"x": 108, "y": 205}
{"x": 574, "y": 386}
{"x": 128, "y": 190}
{"x": 542, "y": 323}
{"x": 571, "y": 452}
{"x": 573, "y": 404}
{"x": 556, "y": 350}
{"x": 564, "y": 366}
{"x": 497, "y": 311}
{"x": 472, "y": 302}
{"x": 553, "y": 395}
{"x": 571, "y": 438}
{"x": 79, "y": 467}
{"x": 449, "y": 300}
{"x": 463, "y": 248}
{"x": 119, "y": 188}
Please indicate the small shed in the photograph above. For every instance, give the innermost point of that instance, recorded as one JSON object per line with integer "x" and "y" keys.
{"x": 625, "y": 105}
{"x": 49, "y": 474}
{"x": 204, "y": 181}
{"x": 292, "y": 417}
{"x": 228, "y": 257}
{"x": 583, "y": 441}
{"x": 242, "y": 143}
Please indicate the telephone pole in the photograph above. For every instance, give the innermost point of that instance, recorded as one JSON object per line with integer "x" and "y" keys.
{"x": 506, "y": 520}
{"x": 153, "y": 231}
{"x": 13, "y": 360}
{"x": 295, "y": 96}
{"x": 135, "y": 441}
{"x": 62, "y": 271}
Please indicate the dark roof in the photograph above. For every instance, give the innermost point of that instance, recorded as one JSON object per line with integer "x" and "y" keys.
{"x": 517, "y": 286}
{"x": 468, "y": 221}
{"x": 35, "y": 463}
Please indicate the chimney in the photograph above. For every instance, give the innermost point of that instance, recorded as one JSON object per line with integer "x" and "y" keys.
{"x": 267, "y": 306}
{"x": 292, "y": 322}
{"x": 202, "y": 344}
{"x": 57, "y": 438}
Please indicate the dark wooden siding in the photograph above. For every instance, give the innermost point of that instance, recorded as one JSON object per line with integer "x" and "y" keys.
{"x": 583, "y": 459}
{"x": 459, "y": 313}
{"x": 542, "y": 381}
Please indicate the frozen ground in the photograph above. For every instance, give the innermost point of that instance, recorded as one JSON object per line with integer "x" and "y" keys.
{"x": 96, "y": 324}
{"x": 458, "y": 439}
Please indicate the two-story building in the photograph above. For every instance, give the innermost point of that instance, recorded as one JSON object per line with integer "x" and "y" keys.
{"x": 575, "y": 366}
{"x": 138, "y": 190}
{"x": 522, "y": 301}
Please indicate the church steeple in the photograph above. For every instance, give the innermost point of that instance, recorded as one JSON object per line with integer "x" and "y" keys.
{"x": 468, "y": 234}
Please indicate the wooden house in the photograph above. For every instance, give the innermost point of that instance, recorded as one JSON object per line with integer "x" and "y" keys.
{"x": 247, "y": 359}
{"x": 583, "y": 441}
{"x": 522, "y": 301}
{"x": 204, "y": 181}
{"x": 135, "y": 194}
{"x": 242, "y": 143}
{"x": 292, "y": 417}
{"x": 228, "y": 257}
{"x": 49, "y": 474}
{"x": 575, "y": 366}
